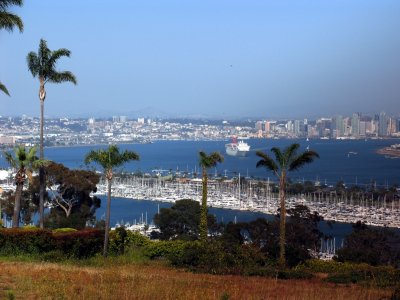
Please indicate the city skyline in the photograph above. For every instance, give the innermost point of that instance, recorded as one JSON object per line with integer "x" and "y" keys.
{"x": 121, "y": 129}
{"x": 228, "y": 59}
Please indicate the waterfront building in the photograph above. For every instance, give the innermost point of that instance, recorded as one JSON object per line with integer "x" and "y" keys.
{"x": 7, "y": 140}
{"x": 363, "y": 128}
{"x": 355, "y": 125}
{"x": 383, "y": 124}
{"x": 339, "y": 126}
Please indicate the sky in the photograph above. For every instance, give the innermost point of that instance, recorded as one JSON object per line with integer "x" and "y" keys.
{"x": 211, "y": 58}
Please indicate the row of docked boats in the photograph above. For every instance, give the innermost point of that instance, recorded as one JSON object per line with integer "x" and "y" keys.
{"x": 258, "y": 197}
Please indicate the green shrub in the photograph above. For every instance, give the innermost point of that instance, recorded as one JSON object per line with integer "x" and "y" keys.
{"x": 348, "y": 277}
{"x": 213, "y": 257}
{"x": 122, "y": 240}
{"x": 80, "y": 244}
{"x": 20, "y": 241}
{"x": 64, "y": 230}
{"x": 324, "y": 266}
{"x": 164, "y": 249}
{"x": 137, "y": 239}
{"x": 30, "y": 227}
{"x": 382, "y": 276}
{"x": 118, "y": 241}
{"x": 293, "y": 274}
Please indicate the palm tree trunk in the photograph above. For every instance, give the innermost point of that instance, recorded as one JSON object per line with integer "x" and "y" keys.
{"x": 107, "y": 225}
{"x": 203, "y": 211}
{"x": 282, "y": 225}
{"x": 17, "y": 205}
{"x": 41, "y": 169}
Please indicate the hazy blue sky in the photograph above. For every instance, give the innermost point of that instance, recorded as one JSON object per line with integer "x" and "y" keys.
{"x": 217, "y": 58}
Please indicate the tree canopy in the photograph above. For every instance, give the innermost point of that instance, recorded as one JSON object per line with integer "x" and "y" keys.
{"x": 181, "y": 221}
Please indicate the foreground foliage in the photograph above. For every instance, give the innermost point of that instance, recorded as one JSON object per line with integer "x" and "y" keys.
{"x": 48, "y": 245}
{"x": 155, "y": 280}
{"x": 371, "y": 245}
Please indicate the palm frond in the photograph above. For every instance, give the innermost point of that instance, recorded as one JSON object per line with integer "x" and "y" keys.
{"x": 22, "y": 157}
{"x": 209, "y": 161}
{"x": 10, "y": 159}
{"x": 4, "y": 4}
{"x": 38, "y": 163}
{"x": 8, "y": 21}
{"x": 290, "y": 152}
{"x": 33, "y": 63}
{"x": 110, "y": 158}
{"x": 279, "y": 157}
{"x": 59, "y": 77}
{"x": 302, "y": 159}
{"x": 4, "y": 89}
{"x": 57, "y": 54}
{"x": 266, "y": 162}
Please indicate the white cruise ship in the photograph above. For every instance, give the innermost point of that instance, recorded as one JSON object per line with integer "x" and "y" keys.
{"x": 237, "y": 149}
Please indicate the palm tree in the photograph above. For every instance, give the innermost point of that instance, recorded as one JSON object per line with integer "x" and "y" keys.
{"x": 109, "y": 159}
{"x": 8, "y": 21}
{"x": 286, "y": 161}
{"x": 24, "y": 161}
{"x": 4, "y": 89}
{"x": 42, "y": 64}
{"x": 206, "y": 162}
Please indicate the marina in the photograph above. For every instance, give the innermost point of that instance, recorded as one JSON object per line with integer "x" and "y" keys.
{"x": 258, "y": 196}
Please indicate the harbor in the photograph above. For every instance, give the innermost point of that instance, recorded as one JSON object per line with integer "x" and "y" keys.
{"x": 260, "y": 196}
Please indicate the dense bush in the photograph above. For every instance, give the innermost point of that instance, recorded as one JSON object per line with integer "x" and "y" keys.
{"x": 374, "y": 246}
{"x": 165, "y": 249}
{"x": 382, "y": 276}
{"x": 34, "y": 241}
{"x": 22, "y": 241}
{"x": 214, "y": 257}
{"x": 122, "y": 239}
{"x": 79, "y": 244}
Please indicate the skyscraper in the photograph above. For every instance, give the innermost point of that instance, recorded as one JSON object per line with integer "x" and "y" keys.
{"x": 383, "y": 124}
{"x": 355, "y": 125}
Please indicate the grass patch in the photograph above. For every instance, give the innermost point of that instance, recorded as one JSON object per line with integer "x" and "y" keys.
{"x": 155, "y": 280}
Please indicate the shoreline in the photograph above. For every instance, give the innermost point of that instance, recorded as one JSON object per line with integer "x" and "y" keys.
{"x": 389, "y": 151}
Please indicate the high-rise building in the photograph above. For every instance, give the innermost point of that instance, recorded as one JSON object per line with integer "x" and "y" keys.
{"x": 290, "y": 127}
{"x": 298, "y": 128}
{"x": 383, "y": 124}
{"x": 355, "y": 125}
{"x": 339, "y": 126}
{"x": 363, "y": 128}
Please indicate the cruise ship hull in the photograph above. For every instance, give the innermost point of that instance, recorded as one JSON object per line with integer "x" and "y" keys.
{"x": 237, "y": 149}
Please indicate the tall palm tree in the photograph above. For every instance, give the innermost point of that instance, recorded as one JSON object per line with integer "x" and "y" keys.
{"x": 8, "y": 21}
{"x": 24, "y": 161}
{"x": 286, "y": 161}
{"x": 206, "y": 162}
{"x": 109, "y": 159}
{"x": 43, "y": 65}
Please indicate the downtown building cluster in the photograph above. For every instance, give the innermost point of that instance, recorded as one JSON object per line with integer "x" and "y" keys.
{"x": 356, "y": 126}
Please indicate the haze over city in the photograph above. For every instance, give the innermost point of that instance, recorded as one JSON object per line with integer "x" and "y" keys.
{"x": 222, "y": 59}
